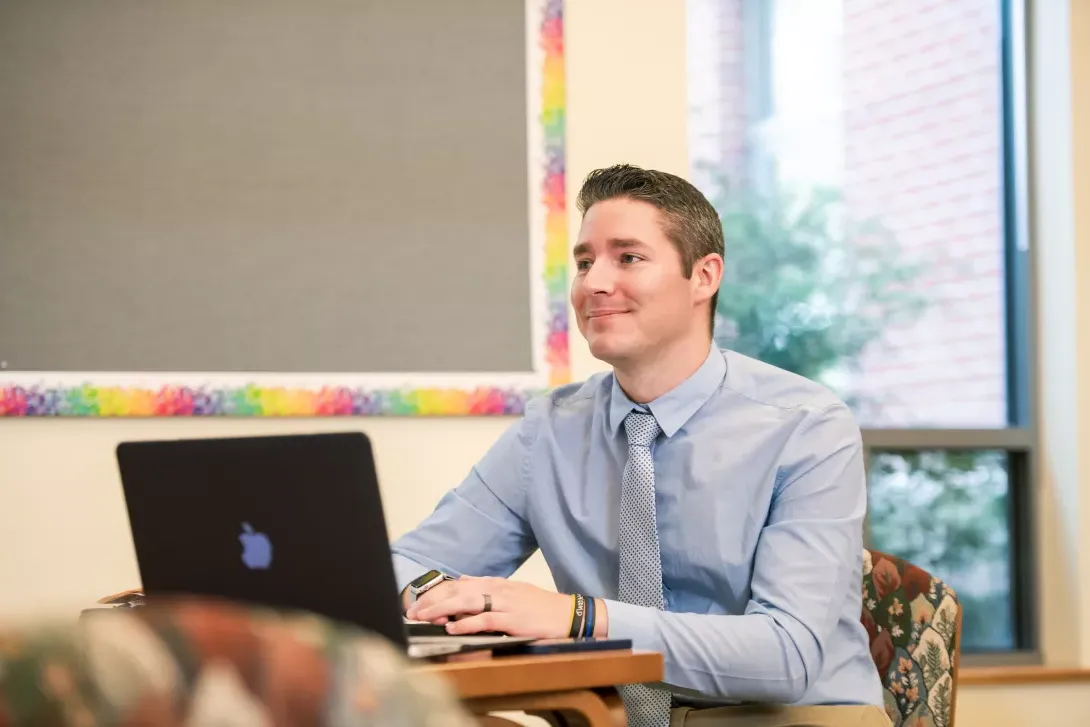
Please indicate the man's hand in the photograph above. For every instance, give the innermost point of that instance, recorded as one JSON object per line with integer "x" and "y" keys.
{"x": 518, "y": 609}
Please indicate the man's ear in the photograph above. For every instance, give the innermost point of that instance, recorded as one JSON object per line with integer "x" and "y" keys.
{"x": 707, "y": 275}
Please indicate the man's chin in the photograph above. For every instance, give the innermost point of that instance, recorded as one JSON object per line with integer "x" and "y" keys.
{"x": 609, "y": 349}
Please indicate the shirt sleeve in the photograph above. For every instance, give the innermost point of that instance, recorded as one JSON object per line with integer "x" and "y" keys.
{"x": 808, "y": 558}
{"x": 479, "y": 528}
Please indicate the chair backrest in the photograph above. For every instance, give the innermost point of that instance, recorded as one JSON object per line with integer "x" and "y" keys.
{"x": 199, "y": 662}
{"x": 914, "y": 623}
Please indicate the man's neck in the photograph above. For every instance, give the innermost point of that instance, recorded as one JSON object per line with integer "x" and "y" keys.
{"x": 648, "y": 379}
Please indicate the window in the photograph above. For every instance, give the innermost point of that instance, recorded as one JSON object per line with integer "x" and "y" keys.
{"x": 863, "y": 158}
{"x": 952, "y": 512}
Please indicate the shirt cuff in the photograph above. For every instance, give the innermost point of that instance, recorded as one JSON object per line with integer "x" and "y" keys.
{"x": 638, "y": 623}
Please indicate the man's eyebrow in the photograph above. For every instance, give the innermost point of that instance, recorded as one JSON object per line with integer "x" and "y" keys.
{"x": 623, "y": 242}
{"x": 614, "y": 242}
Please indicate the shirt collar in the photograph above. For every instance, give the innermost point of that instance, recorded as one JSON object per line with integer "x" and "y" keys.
{"x": 674, "y": 408}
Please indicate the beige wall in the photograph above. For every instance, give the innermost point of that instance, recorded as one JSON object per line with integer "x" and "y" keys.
{"x": 63, "y": 531}
{"x": 1080, "y": 155}
{"x": 1060, "y": 97}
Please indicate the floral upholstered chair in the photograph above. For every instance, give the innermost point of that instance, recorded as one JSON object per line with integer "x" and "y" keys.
{"x": 914, "y": 624}
{"x": 205, "y": 663}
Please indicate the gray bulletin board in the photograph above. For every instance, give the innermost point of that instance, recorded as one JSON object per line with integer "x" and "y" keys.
{"x": 218, "y": 204}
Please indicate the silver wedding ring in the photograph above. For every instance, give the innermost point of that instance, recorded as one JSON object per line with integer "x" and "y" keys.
{"x": 487, "y": 603}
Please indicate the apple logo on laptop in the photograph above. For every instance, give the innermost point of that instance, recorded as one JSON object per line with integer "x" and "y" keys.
{"x": 256, "y": 548}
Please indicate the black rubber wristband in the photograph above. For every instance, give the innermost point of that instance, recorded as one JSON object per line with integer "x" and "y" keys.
{"x": 588, "y": 629}
{"x": 578, "y": 616}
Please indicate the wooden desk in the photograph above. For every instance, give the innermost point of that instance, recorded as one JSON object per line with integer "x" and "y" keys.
{"x": 561, "y": 688}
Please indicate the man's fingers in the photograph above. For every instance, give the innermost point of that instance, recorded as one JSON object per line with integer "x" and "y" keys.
{"x": 431, "y": 611}
{"x": 459, "y": 600}
{"x": 430, "y": 598}
{"x": 454, "y": 598}
{"x": 491, "y": 621}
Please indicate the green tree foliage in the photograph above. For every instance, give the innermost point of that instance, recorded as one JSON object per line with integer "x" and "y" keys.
{"x": 963, "y": 493}
{"x": 947, "y": 511}
{"x": 804, "y": 288}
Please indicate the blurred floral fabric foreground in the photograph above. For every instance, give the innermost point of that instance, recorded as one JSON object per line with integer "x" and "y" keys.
{"x": 208, "y": 663}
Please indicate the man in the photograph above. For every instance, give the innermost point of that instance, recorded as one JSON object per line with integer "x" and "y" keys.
{"x": 698, "y": 502}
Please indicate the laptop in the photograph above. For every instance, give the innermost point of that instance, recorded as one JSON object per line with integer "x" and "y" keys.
{"x": 288, "y": 521}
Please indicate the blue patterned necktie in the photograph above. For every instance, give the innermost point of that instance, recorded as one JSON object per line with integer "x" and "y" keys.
{"x": 640, "y": 560}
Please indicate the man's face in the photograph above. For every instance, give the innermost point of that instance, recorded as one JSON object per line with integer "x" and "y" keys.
{"x": 630, "y": 294}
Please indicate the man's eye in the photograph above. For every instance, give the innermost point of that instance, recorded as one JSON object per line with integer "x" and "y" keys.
{"x": 582, "y": 264}
{"x": 629, "y": 258}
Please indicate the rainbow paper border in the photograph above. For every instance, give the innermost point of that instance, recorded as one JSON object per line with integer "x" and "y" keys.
{"x": 253, "y": 400}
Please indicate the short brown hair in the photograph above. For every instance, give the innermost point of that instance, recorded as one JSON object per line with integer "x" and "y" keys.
{"x": 689, "y": 220}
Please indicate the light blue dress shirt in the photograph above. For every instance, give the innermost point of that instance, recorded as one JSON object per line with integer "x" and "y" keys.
{"x": 760, "y": 494}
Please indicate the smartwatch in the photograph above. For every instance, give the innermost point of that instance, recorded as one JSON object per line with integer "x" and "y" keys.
{"x": 426, "y": 582}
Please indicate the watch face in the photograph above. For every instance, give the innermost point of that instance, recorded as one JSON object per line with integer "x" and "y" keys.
{"x": 425, "y": 579}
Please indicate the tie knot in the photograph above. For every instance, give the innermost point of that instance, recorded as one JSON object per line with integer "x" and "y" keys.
{"x": 641, "y": 429}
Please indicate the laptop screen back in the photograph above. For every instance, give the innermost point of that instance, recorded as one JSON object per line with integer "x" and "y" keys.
{"x": 292, "y": 522}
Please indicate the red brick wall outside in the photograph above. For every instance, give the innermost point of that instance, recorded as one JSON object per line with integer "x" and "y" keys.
{"x": 923, "y": 142}
{"x": 717, "y": 92}
{"x": 922, "y": 115}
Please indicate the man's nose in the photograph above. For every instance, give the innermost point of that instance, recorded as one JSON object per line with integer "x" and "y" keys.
{"x": 599, "y": 278}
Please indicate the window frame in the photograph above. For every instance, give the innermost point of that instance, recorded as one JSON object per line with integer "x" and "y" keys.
{"x": 1020, "y": 438}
